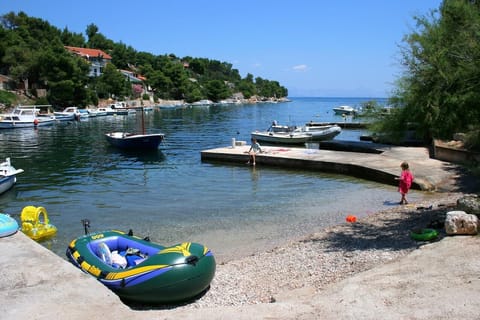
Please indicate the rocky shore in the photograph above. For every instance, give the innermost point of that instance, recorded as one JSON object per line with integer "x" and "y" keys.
{"x": 315, "y": 261}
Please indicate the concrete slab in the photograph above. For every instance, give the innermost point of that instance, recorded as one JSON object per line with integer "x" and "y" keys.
{"x": 35, "y": 283}
{"x": 430, "y": 174}
{"x": 438, "y": 281}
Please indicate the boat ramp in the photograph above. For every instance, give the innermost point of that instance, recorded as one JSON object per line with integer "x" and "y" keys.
{"x": 375, "y": 162}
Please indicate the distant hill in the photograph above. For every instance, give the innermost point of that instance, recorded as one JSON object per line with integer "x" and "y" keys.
{"x": 33, "y": 55}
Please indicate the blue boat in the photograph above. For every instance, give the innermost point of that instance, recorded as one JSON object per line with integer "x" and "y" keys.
{"x": 135, "y": 141}
{"x": 8, "y": 225}
{"x": 126, "y": 140}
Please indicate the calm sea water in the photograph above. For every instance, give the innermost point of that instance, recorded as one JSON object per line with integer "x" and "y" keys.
{"x": 170, "y": 195}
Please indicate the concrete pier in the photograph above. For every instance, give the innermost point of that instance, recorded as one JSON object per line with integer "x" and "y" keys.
{"x": 381, "y": 163}
{"x": 35, "y": 283}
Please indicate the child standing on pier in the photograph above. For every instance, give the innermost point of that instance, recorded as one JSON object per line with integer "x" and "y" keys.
{"x": 405, "y": 182}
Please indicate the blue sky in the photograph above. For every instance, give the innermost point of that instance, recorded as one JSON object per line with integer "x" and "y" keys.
{"x": 344, "y": 48}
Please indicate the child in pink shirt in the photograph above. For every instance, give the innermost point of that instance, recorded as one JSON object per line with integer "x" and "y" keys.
{"x": 405, "y": 182}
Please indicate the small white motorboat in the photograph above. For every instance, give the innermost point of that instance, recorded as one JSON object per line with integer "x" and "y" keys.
{"x": 8, "y": 175}
{"x": 345, "y": 110}
{"x": 26, "y": 117}
{"x": 68, "y": 114}
{"x": 280, "y": 134}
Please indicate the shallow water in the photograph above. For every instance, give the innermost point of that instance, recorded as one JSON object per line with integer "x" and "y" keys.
{"x": 170, "y": 195}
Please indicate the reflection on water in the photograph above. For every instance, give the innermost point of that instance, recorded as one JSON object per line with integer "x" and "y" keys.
{"x": 170, "y": 195}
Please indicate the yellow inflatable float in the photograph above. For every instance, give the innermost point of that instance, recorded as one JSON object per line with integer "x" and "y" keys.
{"x": 34, "y": 226}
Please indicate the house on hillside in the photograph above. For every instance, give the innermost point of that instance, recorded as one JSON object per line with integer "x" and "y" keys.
{"x": 132, "y": 76}
{"x": 97, "y": 59}
{"x": 6, "y": 83}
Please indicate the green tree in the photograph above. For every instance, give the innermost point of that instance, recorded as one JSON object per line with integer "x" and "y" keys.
{"x": 111, "y": 83}
{"x": 97, "y": 40}
{"x": 72, "y": 39}
{"x": 440, "y": 87}
{"x": 123, "y": 55}
{"x": 193, "y": 92}
{"x": 216, "y": 90}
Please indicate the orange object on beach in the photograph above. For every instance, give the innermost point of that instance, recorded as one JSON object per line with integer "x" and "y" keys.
{"x": 351, "y": 218}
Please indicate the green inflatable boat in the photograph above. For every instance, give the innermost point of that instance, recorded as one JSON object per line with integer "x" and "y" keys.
{"x": 141, "y": 271}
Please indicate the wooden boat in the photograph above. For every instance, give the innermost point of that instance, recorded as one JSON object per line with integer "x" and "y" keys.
{"x": 8, "y": 225}
{"x": 278, "y": 134}
{"x": 138, "y": 141}
{"x": 35, "y": 223}
{"x": 127, "y": 140}
{"x": 139, "y": 270}
{"x": 8, "y": 175}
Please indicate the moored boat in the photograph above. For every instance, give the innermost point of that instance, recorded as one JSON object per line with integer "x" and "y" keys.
{"x": 135, "y": 141}
{"x": 202, "y": 103}
{"x": 118, "y": 108}
{"x": 127, "y": 140}
{"x": 344, "y": 110}
{"x": 280, "y": 134}
{"x": 27, "y": 117}
{"x": 68, "y": 114}
{"x": 142, "y": 271}
{"x": 8, "y": 175}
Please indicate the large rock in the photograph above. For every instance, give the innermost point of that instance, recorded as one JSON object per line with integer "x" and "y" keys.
{"x": 460, "y": 222}
{"x": 469, "y": 204}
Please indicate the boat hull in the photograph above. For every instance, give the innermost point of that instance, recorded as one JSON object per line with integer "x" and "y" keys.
{"x": 126, "y": 140}
{"x": 8, "y": 175}
{"x": 281, "y": 138}
{"x": 167, "y": 274}
{"x": 5, "y": 124}
{"x": 27, "y": 117}
{"x": 344, "y": 110}
{"x": 6, "y": 183}
{"x": 298, "y": 137}
{"x": 60, "y": 116}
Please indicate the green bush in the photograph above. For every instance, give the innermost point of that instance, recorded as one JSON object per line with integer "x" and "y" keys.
{"x": 41, "y": 101}
{"x": 472, "y": 139}
{"x": 7, "y": 98}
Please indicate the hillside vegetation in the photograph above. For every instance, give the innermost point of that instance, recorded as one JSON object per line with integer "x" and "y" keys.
{"x": 33, "y": 55}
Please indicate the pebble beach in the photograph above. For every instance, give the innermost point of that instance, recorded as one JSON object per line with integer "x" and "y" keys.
{"x": 312, "y": 262}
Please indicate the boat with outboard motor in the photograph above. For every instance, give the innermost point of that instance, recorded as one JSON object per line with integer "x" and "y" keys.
{"x": 142, "y": 271}
{"x": 345, "y": 110}
{"x": 281, "y": 134}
